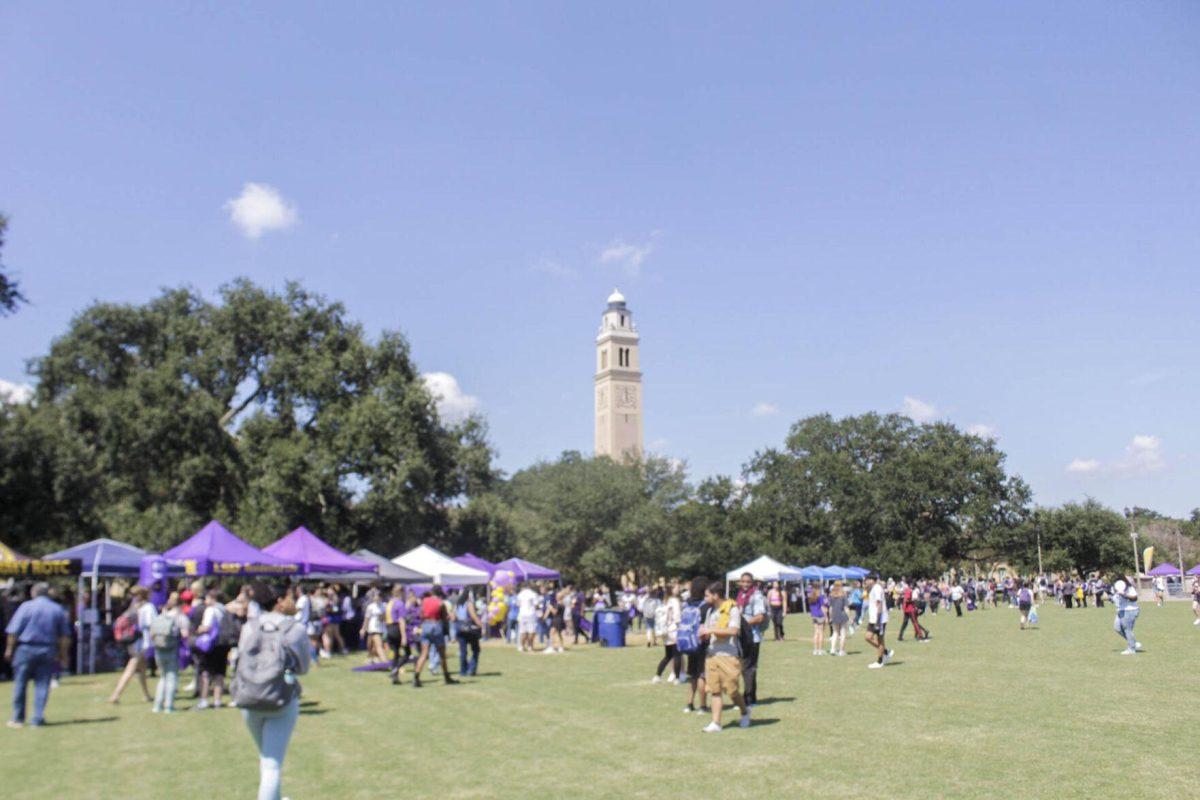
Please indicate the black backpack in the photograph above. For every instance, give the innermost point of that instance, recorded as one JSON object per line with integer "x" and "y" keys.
{"x": 230, "y": 630}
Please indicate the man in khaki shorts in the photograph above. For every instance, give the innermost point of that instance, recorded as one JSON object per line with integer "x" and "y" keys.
{"x": 723, "y": 667}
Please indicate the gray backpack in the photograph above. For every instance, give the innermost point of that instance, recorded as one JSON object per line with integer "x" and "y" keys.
{"x": 265, "y": 679}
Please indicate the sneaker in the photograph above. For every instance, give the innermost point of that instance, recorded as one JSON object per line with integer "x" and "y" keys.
{"x": 656, "y": 679}
{"x": 672, "y": 679}
{"x": 689, "y": 708}
{"x": 1197, "y": 622}
{"x": 203, "y": 704}
{"x": 1128, "y": 652}
{"x": 705, "y": 710}
{"x": 1137, "y": 646}
{"x": 712, "y": 727}
{"x": 191, "y": 687}
{"x": 874, "y": 665}
{"x": 887, "y": 657}
{"x": 54, "y": 683}
{"x": 520, "y": 649}
{"x": 16, "y": 726}
{"x": 744, "y": 722}
{"x": 156, "y": 710}
{"x": 841, "y": 652}
{"x": 549, "y": 651}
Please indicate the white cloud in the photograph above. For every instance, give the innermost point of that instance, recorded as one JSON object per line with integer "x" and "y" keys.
{"x": 983, "y": 431}
{"x": 555, "y": 269}
{"x": 658, "y": 444}
{"x": 452, "y": 405}
{"x": 1143, "y": 456}
{"x": 1084, "y": 466}
{"x": 919, "y": 410}
{"x": 765, "y": 410}
{"x": 260, "y": 208}
{"x": 15, "y": 392}
{"x": 630, "y": 255}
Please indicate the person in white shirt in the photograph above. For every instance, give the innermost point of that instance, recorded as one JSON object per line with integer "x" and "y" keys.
{"x": 877, "y": 619}
{"x": 142, "y": 647}
{"x": 373, "y": 628}
{"x": 527, "y": 617}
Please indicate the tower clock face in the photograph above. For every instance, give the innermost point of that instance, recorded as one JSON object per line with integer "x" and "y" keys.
{"x": 626, "y": 397}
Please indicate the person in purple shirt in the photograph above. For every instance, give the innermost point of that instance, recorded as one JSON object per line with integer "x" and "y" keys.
{"x": 36, "y": 634}
{"x": 817, "y": 605}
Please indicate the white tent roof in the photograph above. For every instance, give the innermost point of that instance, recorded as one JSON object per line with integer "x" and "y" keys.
{"x": 444, "y": 570}
{"x": 765, "y": 568}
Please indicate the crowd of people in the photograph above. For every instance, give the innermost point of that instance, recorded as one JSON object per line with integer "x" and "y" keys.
{"x": 267, "y": 635}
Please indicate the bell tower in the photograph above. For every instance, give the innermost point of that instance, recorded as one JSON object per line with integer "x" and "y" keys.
{"x": 618, "y": 383}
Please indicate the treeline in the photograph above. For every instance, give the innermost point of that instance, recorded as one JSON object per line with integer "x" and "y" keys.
{"x": 269, "y": 410}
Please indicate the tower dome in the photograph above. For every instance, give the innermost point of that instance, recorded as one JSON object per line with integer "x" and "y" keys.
{"x": 616, "y": 298}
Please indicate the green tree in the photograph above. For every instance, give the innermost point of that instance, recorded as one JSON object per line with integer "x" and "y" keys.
{"x": 10, "y": 290}
{"x": 902, "y": 497}
{"x": 1079, "y": 537}
{"x": 267, "y": 410}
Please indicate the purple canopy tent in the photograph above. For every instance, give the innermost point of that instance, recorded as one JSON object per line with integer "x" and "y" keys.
{"x": 1194, "y": 570}
{"x": 213, "y": 550}
{"x": 472, "y": 560}
{"x": 1164, "y": 569}
{"x": 528, "y": 571}
{"x": 312, "y": 554}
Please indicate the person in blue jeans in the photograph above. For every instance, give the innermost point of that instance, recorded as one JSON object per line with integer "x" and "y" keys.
{"x": 1126, "y": 596}
{"x": 38, "y": 633}
{"x": 468, "y": 632}
{"x": 272, "y": 730}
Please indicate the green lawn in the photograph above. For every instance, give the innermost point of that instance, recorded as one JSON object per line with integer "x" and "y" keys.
{"x": 985, "y": 710}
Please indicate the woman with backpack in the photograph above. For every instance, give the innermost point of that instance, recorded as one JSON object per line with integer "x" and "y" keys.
{"x": 469, "y": 631}
{"x": 274, "y": 651}
{"x": 838, "y": 620}
{"x": 214, "y": 644}
{"x": 169, "y": 628}
{"x": 1024, "y": 602}
{"x": 133, "y": 630}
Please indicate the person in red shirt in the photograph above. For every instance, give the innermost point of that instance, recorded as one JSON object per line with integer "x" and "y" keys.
{"x": 433, "y": 633}
{"x": 909, "y": 606}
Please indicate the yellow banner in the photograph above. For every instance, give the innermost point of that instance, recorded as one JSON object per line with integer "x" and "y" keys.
{"x": 40, "y": 569}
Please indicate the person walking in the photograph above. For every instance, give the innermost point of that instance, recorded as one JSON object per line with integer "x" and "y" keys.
{"x": 167, "y": 630}
{"x": 723, "y": 666}
{"x": 397, "y": 632}
{"x": 1126, "y": 596}
{"x": 373, "y": 628}
{"x": 956, "y": 597}
{"x": 141, "y": 614}
{"x": 273, "y": 651}
{"x": 433, "y": 634}
{"x": 908, "y": 605}
{"x": 648, "y": 608}
{"x": 37, "y": 632}
{"x": 753, "y": 607}
{"x": 777, "y": 601}
{"x": 666, "y": 622}
{"x": 552, "y": 618}
{"x": 838, "y": 620}
{"x": 877, "y": 619}
{"x": 1196, "y": 601}
{"x": 1024, "y": 602}
{"x": 216, "y": 659}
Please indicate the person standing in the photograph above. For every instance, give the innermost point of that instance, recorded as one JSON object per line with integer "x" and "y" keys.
{"x": 37, "y": 632}
{"x": 468, "y": 630}
{"x": 216, "y": 660}
{"x": 648, "y": 609}
{"x": 856, "y": 606}
{"x": 692, "y": 644}
{"x": 167, "y": 630}
{"x": 956, "y": 597}
{"x": 817, "y": 604}
{"x": 1126, "y": 596}
{"x": 271, "y": 727}
{"x": 527, "y": 618}
{"x": 753, "y": 607}
{"x": 723, "y": 666}
{"x": 552, "y": 617}
{"x": 777, "y": 601}
{"x": 838, "y": 620}
{"x": 877, "y": 619}
{"x": 1196, "y": 601}
{"x": 141, "y": 613}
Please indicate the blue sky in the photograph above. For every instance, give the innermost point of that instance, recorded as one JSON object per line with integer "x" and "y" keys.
{"x": 987, "y": 213}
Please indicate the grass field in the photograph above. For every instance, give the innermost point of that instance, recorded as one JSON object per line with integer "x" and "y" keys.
{"x": 984, "y": 710}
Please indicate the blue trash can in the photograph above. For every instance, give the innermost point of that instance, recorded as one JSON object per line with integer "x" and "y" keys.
{"x": 610, "y": 628}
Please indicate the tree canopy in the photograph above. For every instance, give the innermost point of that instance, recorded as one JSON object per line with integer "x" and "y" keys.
{"x": 10, "y": 290}
{"x": 267, "y": 410}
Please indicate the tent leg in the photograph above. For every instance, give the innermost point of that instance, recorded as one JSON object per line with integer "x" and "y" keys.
{"x": 92, "y": 637}
{"x": 78, "y": 625}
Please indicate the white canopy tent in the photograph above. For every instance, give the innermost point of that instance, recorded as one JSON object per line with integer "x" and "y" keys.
{"x": 443, "y": 570}
{"x": 765, "y": 568}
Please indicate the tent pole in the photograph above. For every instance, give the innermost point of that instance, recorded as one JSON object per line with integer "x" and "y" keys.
{"x": 92, "y": 637}
{"x": 78, "y": 625}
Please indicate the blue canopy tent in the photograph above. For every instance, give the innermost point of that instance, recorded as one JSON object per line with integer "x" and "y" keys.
{"x": 100, "y": 558}
{"x": 859, "y": 572}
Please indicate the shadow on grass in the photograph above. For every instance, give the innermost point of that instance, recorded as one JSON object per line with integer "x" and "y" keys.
{"x": 309, "y": 703}
{"x": 487, "y": 675}
{"x": 314, "y": 712}
{"x": 56, "y": 723}
{"x": 758, "y": 723}
{"x": 772, "y": 700}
